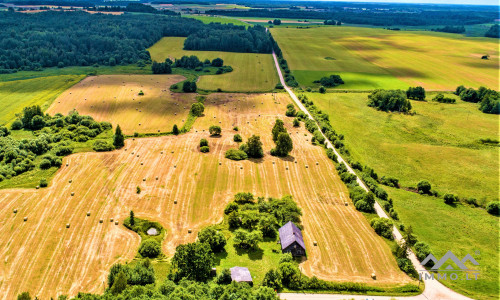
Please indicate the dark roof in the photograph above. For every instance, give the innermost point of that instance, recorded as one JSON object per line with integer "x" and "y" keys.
{"x": 289, "y": 234}
{"x": 240, "y": 274}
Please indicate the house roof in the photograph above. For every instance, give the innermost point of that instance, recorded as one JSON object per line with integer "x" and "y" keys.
{"x": 289, "y": 234}
{"x": 240, "y": 274}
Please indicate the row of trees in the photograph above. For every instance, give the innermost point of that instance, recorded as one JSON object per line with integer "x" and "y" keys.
{"x": 450, "y": 29}
{"x": 389, "y": 100}
{"x": 488, "y": 99}
{"x": 331, "y": 81}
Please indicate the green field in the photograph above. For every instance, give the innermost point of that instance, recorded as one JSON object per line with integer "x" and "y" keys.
{"x": 436, "y": 61}
{"x": 222, "y": 20}
{"x": 461, "y": 229}
{"x": 15, "y": 95}
{"x": 434, "y": 144}
{"x": 252, "y": 72}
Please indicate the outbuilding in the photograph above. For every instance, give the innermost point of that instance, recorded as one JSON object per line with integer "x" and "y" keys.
{"x": 291, "y": 240}
{"x": 241, "y": 274}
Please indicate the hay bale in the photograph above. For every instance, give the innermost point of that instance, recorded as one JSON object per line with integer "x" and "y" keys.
{"x": 374, "y": 277}
{"x": 158, "y": 130}
{"x": 88, "y": 214}
{"x": 307, "y": 166}
{"x": 346, "y": 204}
{"x": 161, "y": 152}
{"x": 273, "y": 162}
{"x": 67, "y": 225}
{"x": 175, "y": 166}
{"x": 72, "y": 193}
{"x": 111, "y": 220}
{"x": 25, "y": 219}
{"x": 317, "y": 163}
{"x": 101, "y": 220}
{"x": 156, "y": 177}
{"x": 67, "y": 164}
{"x": 70, "y": 181}
{"x": 15, "y": 211}
{"x": 125, "y": 149}
{"x": 315, "y": 243}
{"x": 116, "y": 222}
{"x": 287, "y": 168}
{"x": 142, "y": 163}
{"x": 137, "y": 155}
{"x": 37, "y": 187}
{"x": 175, "y": 201}
{"x": 295, "y": 161}
{"x": 241, "y": 168}
{"x": 190, "y": 230}
{"x": 144, "y": 179}
{"x": 220, "y": 163}
{"x": 172, "y": 152}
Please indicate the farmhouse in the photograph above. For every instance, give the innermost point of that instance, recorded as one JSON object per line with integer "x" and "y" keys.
{"x": 241, "y": 274}
{"x": 291, "y": 240}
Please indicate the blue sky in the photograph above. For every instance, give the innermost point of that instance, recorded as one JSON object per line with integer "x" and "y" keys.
{"x": 478, "y": 2}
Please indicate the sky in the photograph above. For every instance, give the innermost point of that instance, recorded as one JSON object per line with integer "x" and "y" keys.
{"x": 477, "y": 2}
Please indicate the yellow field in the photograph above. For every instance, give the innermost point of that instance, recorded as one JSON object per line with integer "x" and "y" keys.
{"x": 114, "y": 98}
{"x": 42, "y": 256}
{"x": 252, "y": 72}
{"x": 436, "y": 61}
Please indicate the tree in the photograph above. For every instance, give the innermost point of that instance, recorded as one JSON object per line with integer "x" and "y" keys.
{"x": 450, "y": 198}
{"x": 217, "y": 62}
{"x": 150, "y": 248}
{"x": 493, "y": 32}
{"x": 277, "y": 22}
{"x": 237, "y": 138}
{"x": 416, "y": 93}
{"x": 277, "y": 129}
{"x": 203, "y": 142}
{"x": 389, "y": 100}
{"x": 459, "y": 90}
{"x": 493, "y": 208}
{"x": 175, "y": 129}
{"x": 296, "y": 122}
{"x": 382, "y": 227}
{"x": 132, "y": 219}
{"x": 24, "y": 296}
{"x": 409, "y": 237}
{"x": 16, "y": 125}
{"x": 189, "y": 87}
{"x": 233, "y": 220}
{"x": 422, "y": 250}
{"x": 470, "y": 95}
{"x": 215, "y": 130}
{"x": 213, "y": 237}
{"x": 424, "y": 187}
{"x": 272, "y": 279}
{"x": 120, "y": 283}
{"x": 284, "y": 145}
{"x": 331, "y": 81}
{"x": 192, "y": 261}
{"x": 247, "y": 240}
{"x": 118, "y": 139}
{"x": 322, "y": 89}
{"x": 253, "y": 147}
{"x": 197, "y": 109}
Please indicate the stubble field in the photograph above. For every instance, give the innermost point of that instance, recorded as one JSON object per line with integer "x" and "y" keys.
{"x": 44, "y": 257}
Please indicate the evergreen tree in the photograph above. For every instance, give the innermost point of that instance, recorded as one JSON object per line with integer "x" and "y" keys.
{"x": 277, "y": 129}
{"x": 120, "y": 283}
{"x": 132, "y": 219}
{"x": 118, "y": 139}
{"x": 175, "y": 130}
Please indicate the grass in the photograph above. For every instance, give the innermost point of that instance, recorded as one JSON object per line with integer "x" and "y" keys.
{"x": 222, "y": 20}
{"x": 434, "y": 144}
{"x": 462, "y": 230}
{"x": 353, "y": 81}
{"x": 41, "y": 91}
{"x": 252, "y": 72}
{"x": 437, "y": 61}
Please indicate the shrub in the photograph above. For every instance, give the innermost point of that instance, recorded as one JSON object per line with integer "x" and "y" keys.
{"x": 422, "y": 250}
{"x": 217, "y": 62}
{"x": 247, "y": 240}
{"x": 382, "y": 227}
{"x": 189, "y": 87}
{"x": 224, "y": 277}
{"x": 230, "y": 208}
{"x": 442, "y": 99}
{"x": 424, "y": 187}
{"x": 322, "y": 90}
{"x": 243, "y": 198}
{"x": 279, "y": 86}
{"x": 205, "y": 149}
{"x": 389, "y": 100}
{"x": 212, "y": 237}
{"x": 150, "y": 248}
{"x": 296, "y": 122}
{"x": 416, "y": 93}
{"x": 215, "y": 130}
{"x": 16, "y": 125}
{"x": 332, "y": 81}
{"x": 493, "y": 208}
{"x": 272, "y": 279}
{"x": 237, "y": 138}
{"x": 63, "y": 150}
{"x": 197, "y": 109}
{"x": 235, "y": 154}
{"x": 45, "y": 164}
{"x": 450, "y": 198}
{"x": 138, "y": 190}
{"x": 101, "y": 146}
{"x": 203, "y": 142}
{"x": 235, "y": 128}
{"x": 390, "y": 181}
{"x": 43, "y": 182}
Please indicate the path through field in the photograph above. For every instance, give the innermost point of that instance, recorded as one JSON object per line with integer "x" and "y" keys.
{"x": 47, "y": 259}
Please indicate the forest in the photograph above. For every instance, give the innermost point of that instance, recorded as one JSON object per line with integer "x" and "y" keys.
{"x": 60, "y": 39}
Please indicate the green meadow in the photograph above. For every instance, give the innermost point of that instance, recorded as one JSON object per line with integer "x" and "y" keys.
{"x": 440, "y": 143}
{"x": 222, "y": 20}
{"x": 252, "y": 72}
{"x": 374, "y": 57}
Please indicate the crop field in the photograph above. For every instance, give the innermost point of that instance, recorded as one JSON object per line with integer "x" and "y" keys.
{"x": 182, "y": 189}
{"x": 434, "y": 144}
{"x": 436, "y": 61}
{"x": 15, "y": 95}
{"x": 458, "y": 228}
{"x": 252, "y": 72}
{"x": 114, "y": 98}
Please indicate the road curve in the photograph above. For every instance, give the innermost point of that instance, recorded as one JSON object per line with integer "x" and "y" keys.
{"x": 434, "y": 290}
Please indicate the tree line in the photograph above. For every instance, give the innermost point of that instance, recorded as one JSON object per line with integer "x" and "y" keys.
{"x": 134, "y": 7}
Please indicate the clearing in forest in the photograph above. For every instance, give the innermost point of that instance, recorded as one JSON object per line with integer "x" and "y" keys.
{"x": 116, "y": 99}
{"x": 252, "y": 72}
{"x": 369, "y": 58}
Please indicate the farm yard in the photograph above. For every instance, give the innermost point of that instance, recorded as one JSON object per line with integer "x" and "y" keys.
{"x": 252, "y": 72}
{"x": 191, "y": 191}
{"x": 436, "y": 61}
{"x": 116, "y": 99}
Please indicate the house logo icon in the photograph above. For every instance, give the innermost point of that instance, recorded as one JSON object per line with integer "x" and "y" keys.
{"x": 438, "y": 264}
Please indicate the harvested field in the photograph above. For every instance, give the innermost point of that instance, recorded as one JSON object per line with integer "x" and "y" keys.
{"x": 43, "y": 256}
{"x": 115, "y": 98}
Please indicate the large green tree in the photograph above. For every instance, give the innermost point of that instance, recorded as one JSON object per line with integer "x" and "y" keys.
{"x": 192, "y": 261}
{"x": 284, "y": 145}
{"x": 118, "y": 139}
{"x": 277, "y": 129}
{"x": 213, "y": 237}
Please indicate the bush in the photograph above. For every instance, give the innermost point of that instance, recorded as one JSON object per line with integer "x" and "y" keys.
{"x": 203, "y": 142}
{"x": 450, "y": 198}
{"x": 189, "y": 87}
{"x": 45, "y": 164}
{"x": 247, "y": 240}
{"x": 235, "y": 154}
{"x": 204, "y": 149}
{"x": 16, "y": 125}
{"x": 322, "y": 90}
{"x": 424, "y": 187}
{"x": 389, "y": 100}
{"x": 197, "y": 109}
{"x": 422, "y": 250}
{"x": 235, "y": 128}
{"x": 442, "y": 99}
{"x": 150, "y": 248}
{"x": 390, "y": 181}
{"x": 212, "y": 237}
{"x": 382, "y": 227}
{"x": 296, "y": 122}
{"x": 237, "y": 138}
{"x": 43, "y": 182}
{"x": 101, "y": 146}
{"x": 230, "y": 208}
{"x": 215, "y": 130}
{"x": 279, "y": 86}
{"x": 493, "y": 208}
{"x": 224, "y": 277}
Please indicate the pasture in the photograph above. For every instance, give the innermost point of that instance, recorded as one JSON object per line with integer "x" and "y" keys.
{"x": 436, "y": 61}
{"x": 182, "y": 189}
{"x": 219, "y": 19}
{"x": 433, "y": 145}
{"x": 114, "y": 98}
{"x": 252, "y": 72}
{"x": 461, "y": 229}
{"x": 15, "y": 95}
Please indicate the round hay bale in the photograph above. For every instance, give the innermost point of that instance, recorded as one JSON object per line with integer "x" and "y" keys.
{"x": 190, "y": 230}
{"x": 315, "y": 243}
{"x": 101, "y": 220}
{"x": 175, "y": 201}
{"x": 142, "y": 163}
{"x": 220, "y": 122}
{"x": 346, "y": 204}
{"x": 70, "y": 181}
{"x": 132, "y": 152}
{"x": 144, "y": 179}
{"x": 158, "y": 130}
{"x": 67, "y": 164}
{"x": 307, "y": 166}
{"x": 139, "y": 124}
{"x": 374, "y": 277}
{"x": 67, "y": 225}
{"x": 295, "y": 161}
{"x": 37, "y": 187}
{"x": 317, "y": 163}
{"x": 241, "y": 168}
{"x": 88, "y": 214}
{"x": 175, "y": 166}
{"x": 172, "y": 152}
{"x": 116, "y": 222}
{"x": 287, "y": 168}
{"x": 273, "y": 162}
{"x": 156, "y": 177}
{"x": 220, "y": 163}
{"x": 15, "y": 211}
{"x": 137, "y": 155}
{"x": 161, "y": 152}
{"x": 72, "y": 193}
{"x": 25, "y": 219}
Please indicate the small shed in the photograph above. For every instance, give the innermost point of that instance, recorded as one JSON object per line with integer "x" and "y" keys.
{"x": 241, "y": 274}
{"x": 291, "y": 240}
